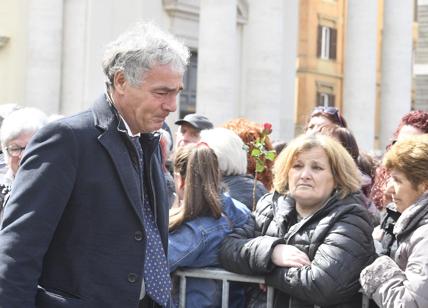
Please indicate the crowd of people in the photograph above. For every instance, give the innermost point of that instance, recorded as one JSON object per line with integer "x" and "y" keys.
{"x": 100, "y": 208}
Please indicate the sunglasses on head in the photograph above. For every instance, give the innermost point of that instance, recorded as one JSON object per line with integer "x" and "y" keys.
{"x": 329, "y": 110}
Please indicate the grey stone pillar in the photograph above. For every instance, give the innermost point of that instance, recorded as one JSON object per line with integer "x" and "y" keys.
{"x": 396, "y": 65}
{"x": 45, "y": 31}
{"x": 269, "y": 55}
{"x": 75, "y": 60}
{"x": 359, "y": 89}
{"x": 217, "y": 60}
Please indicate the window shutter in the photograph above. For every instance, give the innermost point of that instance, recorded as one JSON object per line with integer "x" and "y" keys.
{"x": 318, "y": 99}
{"x": 332, "y": 100}
{"x": 333, "y": 43}
{"x": 319, "y": 40}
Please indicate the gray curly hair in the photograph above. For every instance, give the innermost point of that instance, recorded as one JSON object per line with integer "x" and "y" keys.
{"x": 139, "y": 49}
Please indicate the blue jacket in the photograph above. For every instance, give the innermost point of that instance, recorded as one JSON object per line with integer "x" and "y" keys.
{"x": 196, "y": 243}
{"x": 72, "y": 234}
{"x": 240, "y": 187}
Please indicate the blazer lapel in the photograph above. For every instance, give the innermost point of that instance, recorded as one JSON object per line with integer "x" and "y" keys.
{"x": 116, "y": 147}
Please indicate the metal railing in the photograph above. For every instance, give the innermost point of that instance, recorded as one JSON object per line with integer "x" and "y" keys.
{"x": 226, "y": 277}
{"x": 218, "y": 274}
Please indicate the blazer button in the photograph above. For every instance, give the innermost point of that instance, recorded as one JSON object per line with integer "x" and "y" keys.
{"x": 138, "y": 236}
{"x": 132, "y": 277}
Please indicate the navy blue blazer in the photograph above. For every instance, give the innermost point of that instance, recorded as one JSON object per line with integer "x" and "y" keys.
{"x": 72, "y": 234}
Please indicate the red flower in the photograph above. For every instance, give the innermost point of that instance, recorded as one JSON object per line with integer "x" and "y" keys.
{"x": 267, "y": 128}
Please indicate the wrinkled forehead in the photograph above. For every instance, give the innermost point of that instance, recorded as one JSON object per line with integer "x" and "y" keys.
{"x": 310, "y": 150}
{"x": 20, "y": 139}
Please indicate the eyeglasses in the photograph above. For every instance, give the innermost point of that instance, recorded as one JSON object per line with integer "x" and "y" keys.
{"x": 329, "y": 110}
{"x": 14, "y": 151}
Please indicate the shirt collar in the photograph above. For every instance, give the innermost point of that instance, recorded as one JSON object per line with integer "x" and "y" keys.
{"x": 127, "y": 129}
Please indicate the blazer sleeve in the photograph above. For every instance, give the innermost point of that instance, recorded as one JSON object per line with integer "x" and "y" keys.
{"x": 332, "y": 276}
{"x": 39, "y": 195}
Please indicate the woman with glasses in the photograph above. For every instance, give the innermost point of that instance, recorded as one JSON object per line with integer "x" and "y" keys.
{"x": 15, "y": 133}
{"x": 324, "y": 116}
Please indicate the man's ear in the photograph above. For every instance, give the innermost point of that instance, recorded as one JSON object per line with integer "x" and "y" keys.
{"x": 119, "y": 82}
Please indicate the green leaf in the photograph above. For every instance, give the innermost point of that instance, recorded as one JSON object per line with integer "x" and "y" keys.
{"x": 255, "y": 152}
{"x": 260, "y": 167}
{"x": 270, "y": 155}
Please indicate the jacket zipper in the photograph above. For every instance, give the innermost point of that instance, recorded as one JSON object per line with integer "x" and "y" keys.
{"x": 305, "y": 222}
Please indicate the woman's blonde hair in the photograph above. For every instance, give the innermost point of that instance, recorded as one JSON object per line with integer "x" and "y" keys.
{"x": 198, "y": 166}
{"x": 410, "y": 156}
{"x": 343, "y": 167}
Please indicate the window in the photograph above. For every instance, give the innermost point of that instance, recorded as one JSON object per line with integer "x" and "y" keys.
{"x": 325, "y": 99}
{"x": 326, "y": 44}
{"x": 188, "y": 95}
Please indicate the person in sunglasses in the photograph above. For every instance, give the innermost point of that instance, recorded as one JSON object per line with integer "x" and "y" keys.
{"x": 323, "y": 116}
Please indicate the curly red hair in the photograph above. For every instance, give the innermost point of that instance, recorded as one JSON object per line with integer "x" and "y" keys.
{"x": 416, "y": 118}
{"x": 249, "y": 132}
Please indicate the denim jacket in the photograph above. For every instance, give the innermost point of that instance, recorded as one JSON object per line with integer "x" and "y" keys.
{"x": 196, "y": 243}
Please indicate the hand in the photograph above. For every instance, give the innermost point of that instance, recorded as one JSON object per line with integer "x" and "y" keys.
{"x": 289, "y": 256}
{"x": 263, "y": 287}
{"x": 378, "y": 233}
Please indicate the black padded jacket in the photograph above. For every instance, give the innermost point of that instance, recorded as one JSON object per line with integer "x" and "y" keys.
{"x": 337, "y": 239}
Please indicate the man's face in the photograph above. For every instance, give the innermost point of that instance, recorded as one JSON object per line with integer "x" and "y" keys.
{"x": 145, "y": 107}
{"x": 187, "y": 134}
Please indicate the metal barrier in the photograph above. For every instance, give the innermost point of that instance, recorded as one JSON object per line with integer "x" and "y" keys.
{"x": 226, "y": 277}
{"x": 218, "y": 274}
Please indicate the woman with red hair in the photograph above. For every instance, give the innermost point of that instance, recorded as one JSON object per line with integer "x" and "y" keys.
{"x": 249, "y": 132}
{"x": 412, "y": 123}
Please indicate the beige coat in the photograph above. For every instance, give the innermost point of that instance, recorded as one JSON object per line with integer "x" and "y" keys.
{"x": 403, "y": 282}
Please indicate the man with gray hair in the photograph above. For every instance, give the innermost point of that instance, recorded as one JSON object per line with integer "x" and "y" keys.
{"x": 86, "y": 223}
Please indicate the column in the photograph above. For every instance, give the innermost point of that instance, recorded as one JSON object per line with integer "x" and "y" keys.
{"x": 217, "y": 60}
{"x": 269, "y": 65}
{"x": 43, "y": 80}
{"x": 359, "y": 88}
{"x": 75, "y": 59}
{"x": 396, "y": 65}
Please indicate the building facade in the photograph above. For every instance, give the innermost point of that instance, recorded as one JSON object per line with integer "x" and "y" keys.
{"x": 269, "y": 61}
{"x": 421, "y": 58}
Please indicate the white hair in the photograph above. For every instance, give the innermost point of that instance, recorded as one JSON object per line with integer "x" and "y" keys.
{"x": 139, "y": 49}
{"x": 168, "y": 140}
{"x": 24, "y": 120}
{"x": 229, "y": 148}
